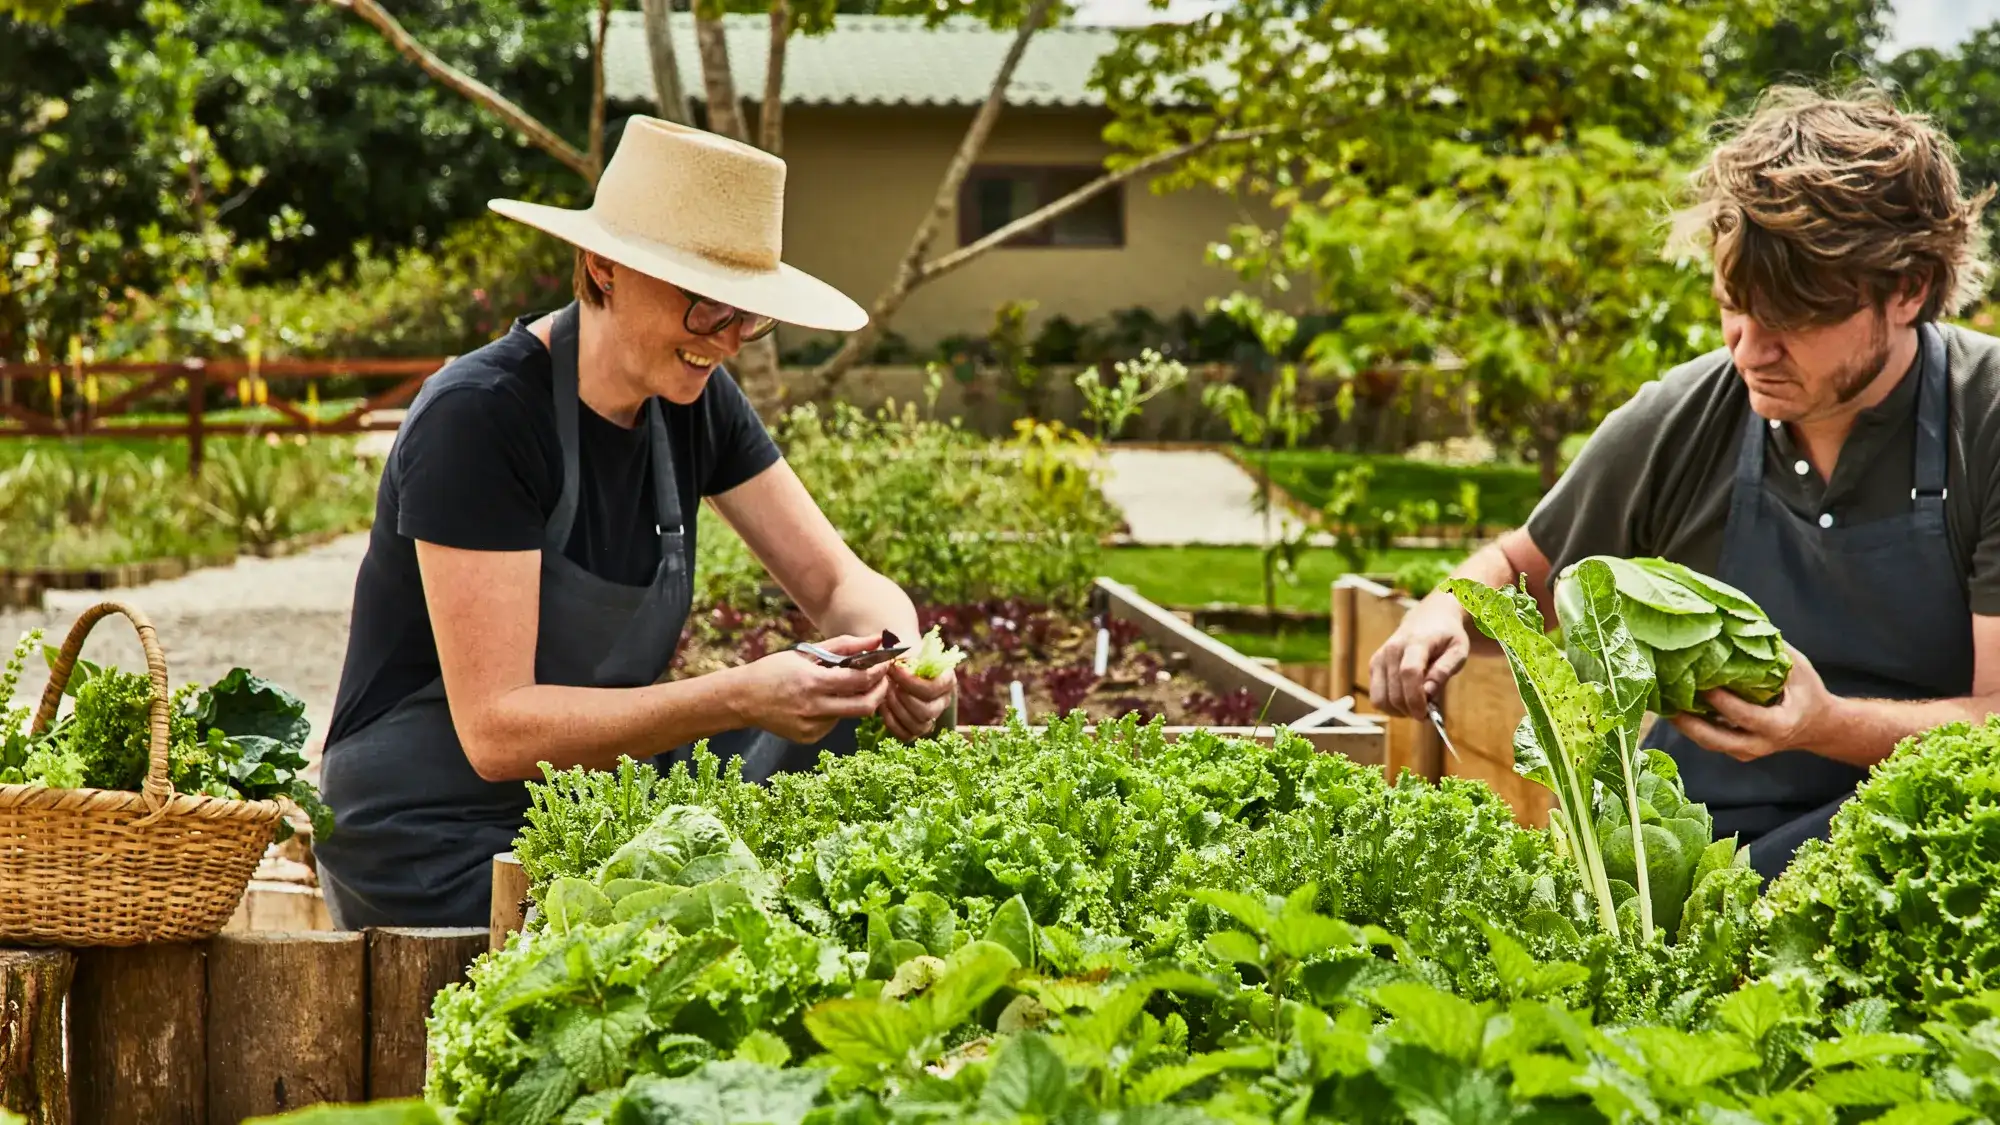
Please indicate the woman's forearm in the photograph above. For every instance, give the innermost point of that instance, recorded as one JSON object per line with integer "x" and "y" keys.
{"x": 592, "y": 727}
{"x": 864, "y": 603}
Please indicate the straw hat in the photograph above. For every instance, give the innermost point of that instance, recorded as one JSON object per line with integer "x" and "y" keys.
{"x": 701, "y": 211}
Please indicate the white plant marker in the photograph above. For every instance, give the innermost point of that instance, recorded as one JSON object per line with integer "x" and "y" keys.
{"x": 1103, "y": 651}
{"x": 1020, "y": 700}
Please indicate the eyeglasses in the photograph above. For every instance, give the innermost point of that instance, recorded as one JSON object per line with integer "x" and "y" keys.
{"x": 706, "y": 317}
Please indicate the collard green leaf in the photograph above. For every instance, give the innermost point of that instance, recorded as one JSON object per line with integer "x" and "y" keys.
{"x": 241, "y": 704}
{"x": 1429, "y": 1017}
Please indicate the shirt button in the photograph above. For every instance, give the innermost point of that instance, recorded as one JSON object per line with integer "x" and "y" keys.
{"x": 1826, "y": 519}
{"x": 1801, "y": 468}
{"x": 1773, "y": 423}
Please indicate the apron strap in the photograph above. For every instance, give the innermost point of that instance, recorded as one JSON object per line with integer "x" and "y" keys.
{"x": 562, "y": 351}
{"x": 1933, "y": 415}
{"x": 666, "y": 483}
{"x": 1750, "y": 451}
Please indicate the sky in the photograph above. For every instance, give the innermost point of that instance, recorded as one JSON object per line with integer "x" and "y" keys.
{"x": 1917, "y": 23}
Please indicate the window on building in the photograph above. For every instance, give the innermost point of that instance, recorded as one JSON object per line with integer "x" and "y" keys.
{"x": 995, "y": 195}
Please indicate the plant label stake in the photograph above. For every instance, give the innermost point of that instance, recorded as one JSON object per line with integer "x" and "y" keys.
{"x": 1103, "y": 652}
{"x": 1019, "y": 699}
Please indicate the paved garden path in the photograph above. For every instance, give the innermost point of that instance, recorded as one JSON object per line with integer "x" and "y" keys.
{"x": 1176, "y": 497}
{"x": 285, "y": 619}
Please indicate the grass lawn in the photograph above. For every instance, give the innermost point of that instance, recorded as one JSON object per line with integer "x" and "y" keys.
{"x": 1292, "y": 646}
{"x": 1192, "y": 576}
{"x": 1507, "y": 493}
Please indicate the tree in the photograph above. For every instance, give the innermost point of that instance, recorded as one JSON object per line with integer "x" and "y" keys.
{"x": 1960, "y": 90}
{"x": 1252, "y": 97}
{"x": 1805, "y": 41}
{"x": 1542, "y": 268}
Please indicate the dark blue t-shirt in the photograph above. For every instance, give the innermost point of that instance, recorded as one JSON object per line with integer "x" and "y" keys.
{"x": 477, "y": 466}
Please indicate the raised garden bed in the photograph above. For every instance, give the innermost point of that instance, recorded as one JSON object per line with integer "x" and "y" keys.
{"x": 23, "y": 587}
{"x": 1481, "y": 705}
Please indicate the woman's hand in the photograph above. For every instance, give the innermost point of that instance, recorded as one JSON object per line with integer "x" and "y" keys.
{"x": 797, "y": 698}
{"x": 913, "y": 705}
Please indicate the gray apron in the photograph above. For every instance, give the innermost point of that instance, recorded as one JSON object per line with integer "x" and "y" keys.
{"x": 1879, "y": 608}
{"x": 416, "y": 828}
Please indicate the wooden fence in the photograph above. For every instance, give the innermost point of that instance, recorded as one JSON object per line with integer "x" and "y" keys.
{"x": 78, "y": 409}
{"x": 215, "y": 1032}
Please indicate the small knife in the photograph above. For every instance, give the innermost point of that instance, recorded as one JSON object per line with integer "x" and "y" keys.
{"x": 1437, "y": 720}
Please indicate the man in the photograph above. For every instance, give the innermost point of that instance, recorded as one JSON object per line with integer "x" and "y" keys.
{"x": 1838, "y": 460}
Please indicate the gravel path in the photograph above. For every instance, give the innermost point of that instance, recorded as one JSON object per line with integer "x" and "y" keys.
{"x": 286, "y": 619}
{"x": 1176, "y": 497}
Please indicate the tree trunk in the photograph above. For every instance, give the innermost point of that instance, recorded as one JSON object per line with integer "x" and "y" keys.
{"x": 406, "y": 970}
{"x": 1548, "y": 452}
{"x": 33, "y": 1081}
{"x": 597, "y": 85}
{"x": 138, "y": 1043}
{"x": 725, "y": 112}
{"x": 771, "y": 111}
{"x": 667, "y": 91}
{"x": 287, "y": 1022}
{"x": 910, "y": 269}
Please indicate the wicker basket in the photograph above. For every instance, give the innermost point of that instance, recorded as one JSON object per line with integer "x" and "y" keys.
{"x": 89, "y": 867}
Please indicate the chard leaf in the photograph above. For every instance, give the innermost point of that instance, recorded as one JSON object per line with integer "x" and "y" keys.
{"x": 1643, "y": 583}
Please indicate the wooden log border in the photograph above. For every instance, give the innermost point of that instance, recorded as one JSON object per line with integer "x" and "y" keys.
{"x": 206, "y": 1033}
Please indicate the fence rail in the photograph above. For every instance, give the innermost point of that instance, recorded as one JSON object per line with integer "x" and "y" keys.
{"x": 77, "y": 409}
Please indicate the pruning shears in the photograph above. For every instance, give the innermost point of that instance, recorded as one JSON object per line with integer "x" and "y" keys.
{"x": 889, "y": 650}
{"x": 1437, "y": 720}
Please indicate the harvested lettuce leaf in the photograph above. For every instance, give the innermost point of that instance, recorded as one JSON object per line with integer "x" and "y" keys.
{"x": 931, "y": 659}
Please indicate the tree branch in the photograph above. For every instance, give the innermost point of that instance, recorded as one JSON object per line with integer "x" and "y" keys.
{"x": 667, "y": 90}
{"x": 938, "y": 267}
{"x": 771, "y": 112}
{"x": 472, "y": 89}
{"x": 909, "y": 269}
{"x": 597, "y": 85}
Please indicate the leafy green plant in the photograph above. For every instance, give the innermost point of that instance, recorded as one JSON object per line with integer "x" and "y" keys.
{"x": 1695, "y": 633}
{"x": 1896, "y": 904}
{"x": 1644, "y": 848}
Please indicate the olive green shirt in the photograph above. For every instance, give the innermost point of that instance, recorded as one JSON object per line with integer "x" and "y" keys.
{"x": 1655, "y": 478}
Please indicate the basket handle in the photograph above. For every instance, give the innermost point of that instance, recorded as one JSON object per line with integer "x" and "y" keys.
{"x": 157, "y": 788}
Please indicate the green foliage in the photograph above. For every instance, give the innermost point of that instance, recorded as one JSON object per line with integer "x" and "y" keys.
{"x": 1960, "y": 90}
{"x": 1819, "y": 42}
{"x": 1897, "y": 904}
{"x": 1540, "y": 269}
{"x": 1113, "y": 406}
{"x": 100, "y": 503}
{"x": 945, "y": 513}
{"x": 1643, "y": 850}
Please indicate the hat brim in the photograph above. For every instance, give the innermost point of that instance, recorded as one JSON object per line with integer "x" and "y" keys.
{"x": 786, "y": 294}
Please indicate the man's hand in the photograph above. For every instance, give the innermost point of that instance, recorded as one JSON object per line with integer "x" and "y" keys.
{"x": 1428, "y": 648}
{"x": 1791, "y": 722}
{"x": 912, "y": 707}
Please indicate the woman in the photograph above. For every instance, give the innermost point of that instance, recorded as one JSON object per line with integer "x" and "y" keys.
{"x": 530, "y": 566}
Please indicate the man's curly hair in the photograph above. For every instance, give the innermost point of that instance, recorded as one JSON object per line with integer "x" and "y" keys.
{"x": 1821, "y": 206}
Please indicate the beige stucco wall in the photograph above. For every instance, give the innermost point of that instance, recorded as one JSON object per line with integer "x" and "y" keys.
{"x": 859, "y": 178}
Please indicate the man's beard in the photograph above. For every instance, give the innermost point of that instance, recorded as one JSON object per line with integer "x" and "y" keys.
{"x": 1856, "y": 376}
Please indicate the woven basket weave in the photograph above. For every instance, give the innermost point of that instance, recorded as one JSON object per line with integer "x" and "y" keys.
{"x": 91, "y": 867}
